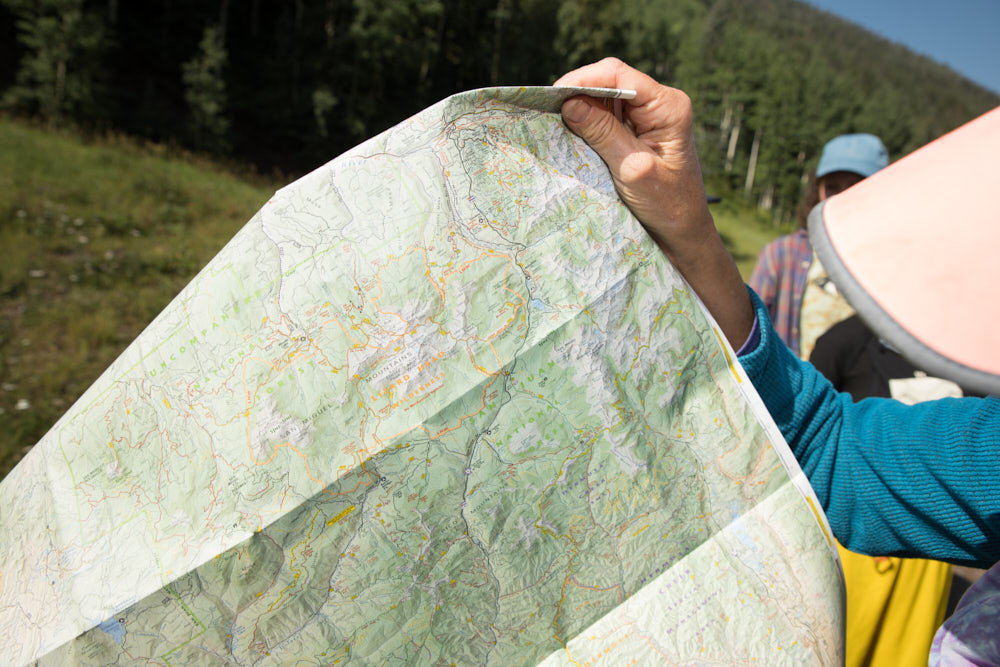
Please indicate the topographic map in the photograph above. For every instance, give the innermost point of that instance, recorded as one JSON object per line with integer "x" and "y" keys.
{"x": 441, "y": 401}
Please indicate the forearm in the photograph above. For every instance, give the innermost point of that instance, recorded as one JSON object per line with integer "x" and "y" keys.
{"x": 894, "y": 479}
{"x": 702, "y": 258}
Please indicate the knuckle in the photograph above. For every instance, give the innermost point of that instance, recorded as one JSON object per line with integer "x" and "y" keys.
{"x": 681, "y": 99}
{"x": 685, "y": 108}
{"x": 638, "y": 167}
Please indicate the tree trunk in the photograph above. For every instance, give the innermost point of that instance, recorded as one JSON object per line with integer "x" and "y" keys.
{"x": 766, "y": 202}
{"x": 498, "y": 21}
{"x": 734, "y": 134}
{"x": 734, "y": 137}
{"x": 55, "y": 114}
{"x": 727, "y": 118}
{"x": 754, "y": 152}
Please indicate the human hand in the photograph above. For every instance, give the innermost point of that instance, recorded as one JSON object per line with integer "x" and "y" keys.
{"x": 652, "y": 159}
{"x": 651, "y": 154}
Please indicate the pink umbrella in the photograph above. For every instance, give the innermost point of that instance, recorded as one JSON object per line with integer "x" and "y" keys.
{"x": 913, "y": 248}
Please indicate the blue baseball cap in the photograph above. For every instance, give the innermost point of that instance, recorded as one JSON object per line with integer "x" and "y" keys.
{"x": 862, "y": 154}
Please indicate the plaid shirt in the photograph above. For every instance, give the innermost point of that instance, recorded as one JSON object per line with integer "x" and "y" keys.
{"x": 779, "y": 278}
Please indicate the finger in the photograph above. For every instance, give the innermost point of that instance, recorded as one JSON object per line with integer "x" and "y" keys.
{"x": 655, "y": 108}
{"x": 595, "y": 124}
{"x": 612, "y": 73}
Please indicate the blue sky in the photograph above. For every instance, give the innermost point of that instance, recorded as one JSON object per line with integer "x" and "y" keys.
{"x": 962, "y": 34}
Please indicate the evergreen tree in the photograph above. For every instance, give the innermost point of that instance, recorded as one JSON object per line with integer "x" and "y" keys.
{"x": 59, "y": 74}
{"x": 205, "y": 93}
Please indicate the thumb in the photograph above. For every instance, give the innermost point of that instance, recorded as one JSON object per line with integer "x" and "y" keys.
{"x": 595, "y": 124}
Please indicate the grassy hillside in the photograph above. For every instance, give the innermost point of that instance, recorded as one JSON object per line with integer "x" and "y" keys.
{"x": 98, "y": 238}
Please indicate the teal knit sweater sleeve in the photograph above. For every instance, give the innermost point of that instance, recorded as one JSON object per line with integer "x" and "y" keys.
{"x": 895, "y": 480}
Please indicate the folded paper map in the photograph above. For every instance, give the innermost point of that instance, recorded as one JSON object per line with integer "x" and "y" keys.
{"x": 441, "y": 401}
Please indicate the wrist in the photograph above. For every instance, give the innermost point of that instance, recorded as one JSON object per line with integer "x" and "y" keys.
{"x": 700, "y": 256}
{"x": 691, "y": 240}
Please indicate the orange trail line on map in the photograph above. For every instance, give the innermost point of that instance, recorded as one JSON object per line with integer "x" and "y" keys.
{"x": 274, "y": 452}
{"x": 461, "y": 420}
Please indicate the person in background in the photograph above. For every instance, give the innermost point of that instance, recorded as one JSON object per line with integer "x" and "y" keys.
{"x": 860, "y": 363}
{"x": 780, "y": 275}
{"x": 905, "y": 480}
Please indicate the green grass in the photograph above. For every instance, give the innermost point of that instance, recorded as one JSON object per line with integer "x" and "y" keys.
{"x": 743, "y": 230}
{"x": 96, "y": 238}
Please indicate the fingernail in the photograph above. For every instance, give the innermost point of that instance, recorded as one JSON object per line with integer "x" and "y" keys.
{"x": 575, "y": 111}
